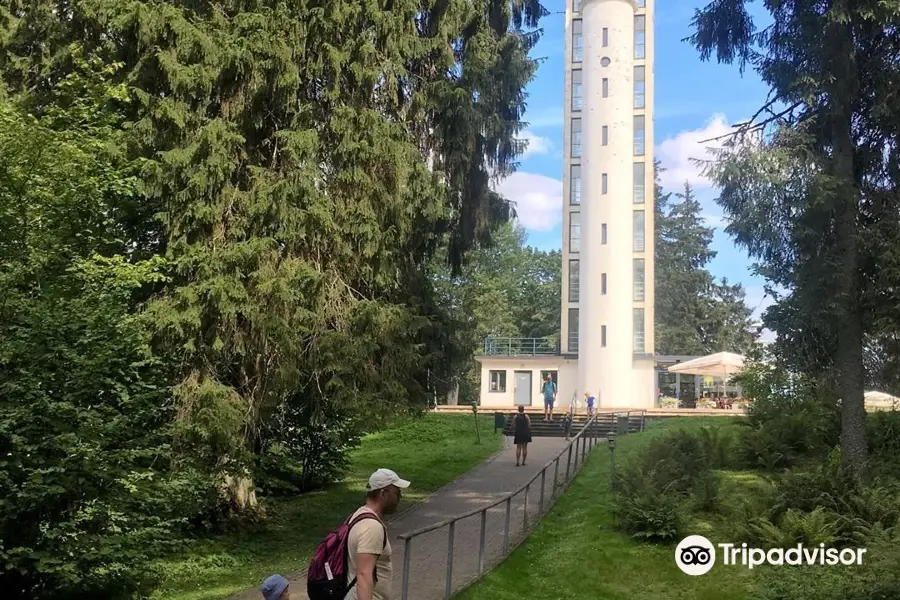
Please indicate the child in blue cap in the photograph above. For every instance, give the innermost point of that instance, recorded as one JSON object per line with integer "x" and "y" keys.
{"x": 275, "y": 587}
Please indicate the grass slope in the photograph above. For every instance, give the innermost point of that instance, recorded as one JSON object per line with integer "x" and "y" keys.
{"x": 430, "y": 452}
{"x": 577, "y": 553}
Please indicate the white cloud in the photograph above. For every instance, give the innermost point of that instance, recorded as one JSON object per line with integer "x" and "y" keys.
{"x": 538, "y": 199}
{"x": 678, "y": 153}
{"x": 536, "y": 143}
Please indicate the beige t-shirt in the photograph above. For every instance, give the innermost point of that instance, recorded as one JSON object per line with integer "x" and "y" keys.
{"x": 367, "y": 537}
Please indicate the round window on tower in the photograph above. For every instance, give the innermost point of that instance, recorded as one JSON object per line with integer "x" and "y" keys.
{"x": 604, "y": 61}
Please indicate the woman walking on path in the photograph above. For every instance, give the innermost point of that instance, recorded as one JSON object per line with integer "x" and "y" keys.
{"x": 523, "y": 435}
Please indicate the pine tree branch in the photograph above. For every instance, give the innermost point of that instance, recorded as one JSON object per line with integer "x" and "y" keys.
{"x": 750, "y": 126}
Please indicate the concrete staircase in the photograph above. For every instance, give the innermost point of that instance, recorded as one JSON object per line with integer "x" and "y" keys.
{"x": 605, "y": 423}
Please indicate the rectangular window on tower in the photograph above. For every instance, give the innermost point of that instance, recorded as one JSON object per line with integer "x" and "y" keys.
{"x": 640, "y": 36}
{"x": 638, "y": 135}
{"x": 638, "y": 279}
{"x": 603, "y": 233}
{"x": 574, "y": 283}
{"x": 576, "y": 138}
{"x": 639, "y": 175}
{"x": 604, "y": 183}
{"x": 605, "y": 37}
{"x": 603, "y": 284}
{"x": 575, "y": 185}
{"x": 642, "y": 3}
{"x": 638, "y": 325}
{"x": 639, "y": 86}
{"x": 605, "y": 91}
{"x": 577, "y": 99}
{"x": 577, "y": 41}
{"x": 638, "y": 218}
{"x": 576, "y": 5}
{"x": 574, "y": 232}
{"x": 573, "y": 331}
{"x": 603, "y": 336}
{"x": 604, "y": 135}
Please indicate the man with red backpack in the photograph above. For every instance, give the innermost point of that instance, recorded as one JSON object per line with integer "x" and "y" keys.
{"x": 354, "y": 562}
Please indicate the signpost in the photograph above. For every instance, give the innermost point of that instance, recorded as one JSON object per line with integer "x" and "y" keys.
{"x": 611, "y": 440}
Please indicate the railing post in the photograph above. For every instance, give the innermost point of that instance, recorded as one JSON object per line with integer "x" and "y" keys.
{"x": 404, "y": 588}
{"x": 525, "y": 509}
{"x": 643, "y": 413}
{"x": 583, "y": 449}
{"x": 543, "y": 478}
{"x": 569, "y": 463}
{"x": 577, "y": 450}
{"x": 481, "y": 542}
{"x": 448, "y": 587}
{"x": 506, "y": 528}
{"x": 555, "y": 476}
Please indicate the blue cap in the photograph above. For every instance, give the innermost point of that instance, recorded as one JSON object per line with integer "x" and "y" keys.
{"x": 273, "y": 587}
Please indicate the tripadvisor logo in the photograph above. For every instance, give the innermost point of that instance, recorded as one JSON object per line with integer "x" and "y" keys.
{"x": 696, "y": 555}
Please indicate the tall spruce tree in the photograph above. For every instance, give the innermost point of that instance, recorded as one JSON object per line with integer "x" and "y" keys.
{"x": 807, "y": 185}
{"x": 695, "y": 315}
{"x": 301, "y": 162}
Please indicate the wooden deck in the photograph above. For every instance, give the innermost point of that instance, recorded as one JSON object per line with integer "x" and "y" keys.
{"x": 650, "y": 412}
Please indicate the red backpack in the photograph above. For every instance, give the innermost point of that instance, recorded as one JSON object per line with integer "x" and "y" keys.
{"x": 326, "y": 578}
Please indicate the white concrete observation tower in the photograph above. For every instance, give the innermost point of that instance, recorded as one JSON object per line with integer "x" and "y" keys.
{"x": 607, "y": 323}
{"x": 606, "y": 342}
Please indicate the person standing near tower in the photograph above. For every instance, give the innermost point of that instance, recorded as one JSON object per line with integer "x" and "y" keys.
{"x": 549, "y": 390}
{"x": 523, "y": 436}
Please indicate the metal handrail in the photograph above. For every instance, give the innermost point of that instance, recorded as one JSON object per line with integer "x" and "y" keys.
{"x": 475, "y": 511}
{"x": 584, "y": 442}
{"x": 518, "y": 346}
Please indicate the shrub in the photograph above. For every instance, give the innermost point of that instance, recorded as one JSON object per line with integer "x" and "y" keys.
{"x": 795, "y": 527}
{"x": 877, "y": 578}
{"x": 673, "y": 461}
{"x": 822, "y": 485}
{"x": 883, "y": 435}
{"x": 89, "y": 493}
{"x": 717, "y": 446}
{"x": 787, "y": 421}
{"x": 705, "y": 492}
{"x": 301, "y": 453}
{"x": 644, "y": 511}
{"x": 666, "y": 478}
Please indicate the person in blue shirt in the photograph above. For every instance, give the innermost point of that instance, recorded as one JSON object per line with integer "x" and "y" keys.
{"x": 589, "y": 402}
{"x": 549, "y": 390}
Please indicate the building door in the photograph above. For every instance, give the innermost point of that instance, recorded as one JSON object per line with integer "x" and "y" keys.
{"x": 522, "y": 392}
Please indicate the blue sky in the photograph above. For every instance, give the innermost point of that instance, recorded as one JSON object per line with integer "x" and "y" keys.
{"x": 694, "y": 101}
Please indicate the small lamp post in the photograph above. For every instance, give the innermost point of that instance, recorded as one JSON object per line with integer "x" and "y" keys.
{"x": 475, "y": 414}
{"x": 611, "y": 440}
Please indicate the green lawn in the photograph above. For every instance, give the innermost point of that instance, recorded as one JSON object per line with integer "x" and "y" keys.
{"x": 430, "y": 452}
{"x": 576, "y": 552}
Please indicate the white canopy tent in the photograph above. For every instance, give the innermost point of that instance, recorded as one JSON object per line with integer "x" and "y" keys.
{"x": 881, "y": 401}
{"x": 722, "y": 364}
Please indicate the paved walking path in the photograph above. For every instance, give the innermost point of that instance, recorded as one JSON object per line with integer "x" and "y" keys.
{"x": 486, "y": 483}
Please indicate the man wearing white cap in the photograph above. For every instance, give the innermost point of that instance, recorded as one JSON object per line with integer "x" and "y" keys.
{"x": 368, "y": 548}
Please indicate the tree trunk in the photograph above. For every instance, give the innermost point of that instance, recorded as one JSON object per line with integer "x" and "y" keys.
{"x": 241, "y": 492}
{"x": 846, "y": 196}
